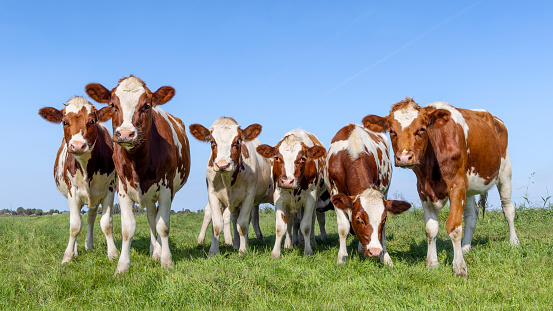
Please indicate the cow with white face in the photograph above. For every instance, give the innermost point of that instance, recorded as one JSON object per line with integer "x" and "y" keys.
{"x": 358, "y": 174}
{"x": 238, "y": 179}
{"x": 152, "y": 160}
{"x": 84, "y": 170}
{"x": 297, "y": 172}
{"x": 455, "y": 154}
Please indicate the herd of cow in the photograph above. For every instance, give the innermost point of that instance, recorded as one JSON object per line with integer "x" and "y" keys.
{"x": 454, "y": 153}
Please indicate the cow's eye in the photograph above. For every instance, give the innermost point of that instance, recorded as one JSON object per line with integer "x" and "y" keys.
{"x": 147, "y": 106}
{"x": 277, "y": 159}
{"x": 393, "y": 134}
{"x": 421, "y": 131}
{"x": 92, "y": 121}
{"x": 64, "y": 123}
{"x": 236, "y": 143}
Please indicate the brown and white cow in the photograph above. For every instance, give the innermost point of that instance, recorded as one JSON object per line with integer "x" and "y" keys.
{"x": 152, "y": 160}
{"x": 237, "y": 178}
{"x": 455, "y": 154}
{"x": 84, "y": 170}
{"x": 297, "y": 172}
{"x": 358, "y": 174}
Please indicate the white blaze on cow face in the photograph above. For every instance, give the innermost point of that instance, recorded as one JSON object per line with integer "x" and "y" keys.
{"x": 289, "y": 149}
{"x": 224, "y": 131}
{"x": 406, "y": 116}
{"x": 129, "y": 92}
{"x": 372, "y": 202}
{"x": 76, "y": 113}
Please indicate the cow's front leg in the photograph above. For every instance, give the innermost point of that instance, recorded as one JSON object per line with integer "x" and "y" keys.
{"x": 431, "y": 226}
{"x": 75, "y": 225}
{"x": 106, "y": 222}
{"x": 163, "y": 226}
{"x": 205, "y": 223}
{"x": 343, "y": 230}
{"x": 226, "y": 227}
{"x": 281, "y": 227}
{"x": 155, "y": 245}
{"x": 128, "y": 229}
{"x": 243, "y": 223}
{"x": 91, "y": 218}
{"x": 307, "y": 222}
{"x": 453, "y": 225}
{"x": 217, "y": 222}
{"x": 384, "y": 256}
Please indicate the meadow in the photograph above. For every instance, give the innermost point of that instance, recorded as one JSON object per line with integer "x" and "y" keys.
{"x": 500, "y": 276}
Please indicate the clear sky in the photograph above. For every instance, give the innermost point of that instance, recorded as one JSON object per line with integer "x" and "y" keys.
{"x": 315, "y": 65}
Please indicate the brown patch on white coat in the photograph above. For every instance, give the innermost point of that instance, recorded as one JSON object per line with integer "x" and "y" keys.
{"x": 455, "y": 154}
{"x": 297, "y": 172}
{"x": 152, "y": 159}
{"x": 238, "y": 179}
{"x": 83, "y": 171}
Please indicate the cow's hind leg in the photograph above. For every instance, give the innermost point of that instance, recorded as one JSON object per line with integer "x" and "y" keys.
{"x": 91, "y": 218}
{"x": 155, "y": 246}
{"x": 255, "y": 223}
{"x": 432, "y": 226}
{"x": 205, "y": 224}
{"x": 106, "y": 222}
{"x": 504, "y": 187}
{"x": 471, "y": 216}
{"x": 163, "y": 226}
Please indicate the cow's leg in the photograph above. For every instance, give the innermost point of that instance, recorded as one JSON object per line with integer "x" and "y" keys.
{"x": 226, "y": 227}
{"x": 312, "y": 235}
{"x": 297, "y": 238}
{"x": 163, "y": 226}
{"x": 307, "y": 221}
{"x": 155, "y": 245}
{"x": 217, "y": 222}
{"x": 234, "y": 218}
{"x": 75, "y": 226}
{"x": 431, "y": 227}
{"x": 255, "y": 223}
{"x": 106, "y": 222}
{"x": 457, "y": 196}
{"x": 281, "y": 227}
{"x": 205, "y": 224}
{"x": 91, "y": 218}
{"x": 384, "y": 256}
{"x": 321, "y": 219}
{"x": 289, "y": 219}
{"x": 471, "y": 216}
{"x": 128, "y": 228}
{"x": 504, "y": 187}
{"x": 343, "y": 230}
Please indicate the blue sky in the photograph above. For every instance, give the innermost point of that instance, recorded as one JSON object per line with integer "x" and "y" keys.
{"x": 315, "y": 65}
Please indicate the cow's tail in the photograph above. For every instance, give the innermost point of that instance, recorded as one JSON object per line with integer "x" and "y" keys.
{"x": 482, "y": 202}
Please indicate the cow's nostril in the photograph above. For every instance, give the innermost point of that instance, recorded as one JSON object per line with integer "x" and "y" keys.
{"x": 118, "y": 134}
{"x": 131, "y": 134}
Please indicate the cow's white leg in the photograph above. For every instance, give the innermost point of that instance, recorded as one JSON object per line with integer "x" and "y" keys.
{"x": 75, "y": 226}
{"x": 289, "y": 227}
{"x": 321, "y": 219}
{"x": 255, "y": 223}
{"x": 281, "y": 227}
{"x": 226, "y": 227}
{"x": 471, "y": 216}
{"x": 504, "y": 187}
{"x": 459, "y": 266}
{"x": 163, "y": 226}
{"x": 243, "y": 223}
{"x": 155, "y": 245}
{"x": 236, "y": 237}
{"x": 217, "y": 222}
{"x": 128, "y": 228}
{"x": 384, "y": 256}
{"x": 343, "y": 230}
{"x": 106, "y": 222}
{"x": 432, "y": 226}
{"x": 297, "y": 238}
{"x": 91, "y": 218}
{"x": 205, "y": 224}
{"x": 307, "y": 222}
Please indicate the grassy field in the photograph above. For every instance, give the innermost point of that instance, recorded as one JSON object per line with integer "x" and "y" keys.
{"x": 500, "y": 277}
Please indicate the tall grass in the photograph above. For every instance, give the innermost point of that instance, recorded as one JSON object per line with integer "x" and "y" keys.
{"x": 500, "y": 276}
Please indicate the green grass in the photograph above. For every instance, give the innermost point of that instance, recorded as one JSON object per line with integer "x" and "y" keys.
{"x": 500, "y": 277}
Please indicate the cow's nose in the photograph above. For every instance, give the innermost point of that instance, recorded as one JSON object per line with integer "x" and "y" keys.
{"x": 286, "y": 182}
{"x": 374, "y": 252}
{"x": 125, "y": 134}
{"x": 77, "y": 147}
{"x": 405, "y": 157}
{"x": 222, "y": 166}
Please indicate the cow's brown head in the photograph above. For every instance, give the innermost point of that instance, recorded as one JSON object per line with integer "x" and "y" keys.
{"x": 369, "y": 211}
{"x": 293, "y": 162}
{"x": 408, "y": 124}
{"x": 132, "y": 104}
{"x": 226, "y": 138}
{"x": 80, "y": 128}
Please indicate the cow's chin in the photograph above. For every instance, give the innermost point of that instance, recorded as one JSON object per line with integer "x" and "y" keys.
{"x": 128, "y": 145}
{"x": 288, "y": 188}
{"x": 409, "y": 165}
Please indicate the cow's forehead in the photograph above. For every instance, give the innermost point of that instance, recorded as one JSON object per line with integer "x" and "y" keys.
{"x": 76, "y": 104}
{"x": 224, "y": 134}
{"x": 290, "y": 147}
{"x": 405, "y": 116}
{"x": 129, "y": 91}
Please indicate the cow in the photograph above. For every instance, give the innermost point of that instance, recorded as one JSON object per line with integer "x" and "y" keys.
{"x": 297, "y": 171}
{"x": 237, "y": 177}
{"x": 455, "y": 154}
{"x": 152, "y": 160}
{"x": 358, "y": 174}
{"x": 84, "y": 171}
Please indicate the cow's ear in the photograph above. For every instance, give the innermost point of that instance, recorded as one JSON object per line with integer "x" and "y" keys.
{"x": 375, "y": 123}
{"x": 104, "y": 114}
{"x": 98, "y": 92}
{"x": 438, "y": 117}
{"x": 51, "y": 114}
{"x": 395, "y": 207}
{"x": 251, "y": 132}
{"x": 200, "y": 132}
{"x": 163, "y": 95}
{"x": 266, "y": 151}
{"x": 341, "y": 201}
{"x": 316, "y": 152}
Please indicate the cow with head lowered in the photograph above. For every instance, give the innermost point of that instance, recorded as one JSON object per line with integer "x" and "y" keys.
{"x": 358, "y": 174}
{"x": 84, "y": 170}
{"x": 455, "y": 154}
{"x": 297, "y": 163}
{"x": 152, "y": 160}
{"x": 238, "y": 179}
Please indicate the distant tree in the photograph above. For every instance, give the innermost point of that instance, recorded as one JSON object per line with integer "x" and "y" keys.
{"x": 28, "y": 212}
{"x": 51, "y": 211}
{"x": 172, "y": 212}
{"x": 20, "y": 211}
{"x": 116, "y": 209}
{"x": 38, "y": 212}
